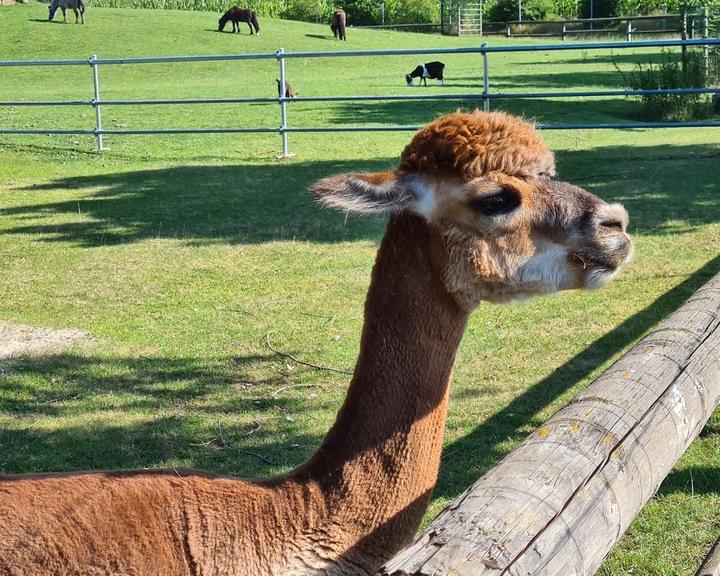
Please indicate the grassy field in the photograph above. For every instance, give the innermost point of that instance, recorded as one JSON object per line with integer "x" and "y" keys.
{"x": 186, "y": 258}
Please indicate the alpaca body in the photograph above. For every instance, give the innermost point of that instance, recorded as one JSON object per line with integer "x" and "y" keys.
{"x": 317, "y": 519}
{"x": 237, "y": 15}
{"x": 475, "y": 215}
{"x": 78, "y": 7}
{"x": 338, "y": 23}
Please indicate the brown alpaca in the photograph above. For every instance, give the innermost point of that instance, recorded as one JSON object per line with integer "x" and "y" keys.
{"x": 474, "y": 215}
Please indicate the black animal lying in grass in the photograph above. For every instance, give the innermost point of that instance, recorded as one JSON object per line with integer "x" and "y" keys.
{"x": 425, "y": 71}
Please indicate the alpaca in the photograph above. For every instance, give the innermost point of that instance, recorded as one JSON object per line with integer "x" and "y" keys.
{"x": 474, "y": 214}
{"x": 77, "y": 7}
{"x": 337, "y": 25}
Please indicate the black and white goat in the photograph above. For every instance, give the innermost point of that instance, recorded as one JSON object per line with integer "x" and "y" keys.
{"x": 425, "y": 71}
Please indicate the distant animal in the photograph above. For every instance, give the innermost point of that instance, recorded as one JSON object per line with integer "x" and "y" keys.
{"x": 716, "y": 103}
{"x": 339, "y": 19}
{"x": 77, "y": 6}
{"x": 289, "y": 92}
{"x": 428, "y": 70}
{"x": 237, "y": 15}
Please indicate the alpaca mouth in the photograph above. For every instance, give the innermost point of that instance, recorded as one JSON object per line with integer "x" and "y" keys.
{"x": 588, "y": 260}
{"x": 608, "y": 258}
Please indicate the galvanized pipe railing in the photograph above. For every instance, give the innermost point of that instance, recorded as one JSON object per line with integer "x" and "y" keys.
{"x": 284, "y": 129}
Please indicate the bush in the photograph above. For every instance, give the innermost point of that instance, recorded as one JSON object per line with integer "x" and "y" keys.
{"x": 411, "y": 11}
{"x": 601, "y": 8}
{"x": 504, "y": 10}
{"x": 634, "y": 7}
{"x": 361, "y": 12}
{"x": 671, "y": 73}
{"x": 308, "y": 11}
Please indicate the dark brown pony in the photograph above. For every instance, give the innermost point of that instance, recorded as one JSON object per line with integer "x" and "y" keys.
{"x": 237, "y": 15}
{"x": 339, "y": 18}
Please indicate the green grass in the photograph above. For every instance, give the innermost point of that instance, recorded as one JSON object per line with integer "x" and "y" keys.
{"x": 181, "y": 254}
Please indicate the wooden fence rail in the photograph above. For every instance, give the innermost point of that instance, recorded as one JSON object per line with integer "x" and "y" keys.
{"x": 557, "y": 504}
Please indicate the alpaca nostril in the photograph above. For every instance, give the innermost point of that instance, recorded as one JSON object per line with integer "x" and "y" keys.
{"x": 616, "y": 225}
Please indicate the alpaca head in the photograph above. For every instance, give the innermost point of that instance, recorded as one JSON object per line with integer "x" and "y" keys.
{"x": 484, "y": 182}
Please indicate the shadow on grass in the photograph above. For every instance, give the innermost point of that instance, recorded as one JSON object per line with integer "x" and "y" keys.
{"x": 171, "y": 403}
{"x": 623, "y": 56}
{"x": 470, "y": 457}
{"x": 696, "y": 480}
{"x": 240, "y": 204}
{"x": 666, "y": 189}
{"x": 593, "y": 80}
{"x": 539, "y": 110}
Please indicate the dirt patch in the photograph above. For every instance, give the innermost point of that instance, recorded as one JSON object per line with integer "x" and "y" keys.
{"x": 23, "y": 340}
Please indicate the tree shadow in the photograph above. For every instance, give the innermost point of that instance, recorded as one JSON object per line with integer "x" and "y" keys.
{"x": 248, "y": 204}
{"x": 591, "y": 78}
{"x": 201, "y": 204}
{"x": 164, "y": 397}
{"x": 471, "y": 456}
{"x": 594, "y": 58}
{"x": 543, "y": 111}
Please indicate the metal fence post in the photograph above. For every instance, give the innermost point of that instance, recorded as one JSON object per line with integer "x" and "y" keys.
{"x": 486, "y": 79}
{"x": 629, "y": 30}
{"x": 96, "y": 103}
{"x": 683, "y": 36}
{"x": 283, "y": 105}
{"x": 706, "y": 52}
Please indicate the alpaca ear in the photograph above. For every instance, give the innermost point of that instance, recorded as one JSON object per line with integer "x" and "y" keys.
{"x": 368, "y": 193}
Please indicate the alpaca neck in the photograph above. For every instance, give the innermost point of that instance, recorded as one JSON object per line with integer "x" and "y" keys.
{"x": 378, "y": 464}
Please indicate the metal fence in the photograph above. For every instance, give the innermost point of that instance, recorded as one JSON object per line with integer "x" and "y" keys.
{"x": 486, "y": 96}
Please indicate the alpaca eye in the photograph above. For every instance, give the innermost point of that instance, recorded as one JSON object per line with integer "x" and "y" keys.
{"x": 500, "y": 203}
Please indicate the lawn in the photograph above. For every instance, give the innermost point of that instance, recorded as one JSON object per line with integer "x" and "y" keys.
{"x": 188, "y": 259}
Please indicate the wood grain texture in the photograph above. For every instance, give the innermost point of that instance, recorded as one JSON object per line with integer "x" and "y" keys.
{"x": 557, "y": 504}
{"x": 711, "y": 564}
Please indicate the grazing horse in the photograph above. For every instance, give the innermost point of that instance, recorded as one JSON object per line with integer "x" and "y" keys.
{"x": 237, "y": 15}
{"x": 76, "y": 5}
{"x": 339, "y": 18}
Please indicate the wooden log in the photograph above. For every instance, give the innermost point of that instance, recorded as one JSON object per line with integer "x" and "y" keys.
{"x": 557, "y": 504}
{"x": 711, "y": 564}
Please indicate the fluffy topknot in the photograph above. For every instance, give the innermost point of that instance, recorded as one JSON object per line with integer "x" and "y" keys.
{"x": 469, "y": 145}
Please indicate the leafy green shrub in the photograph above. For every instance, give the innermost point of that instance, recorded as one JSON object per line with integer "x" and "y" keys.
{"x": 601, "y": 9}
{"x": 308, "y": 10}
{"x": 361, "y": 12}
{"x": 635, "y": 7}
{"x": 668, "y": 74}
{"x": 568, "y": 9}
{"x": 411, "y": 11}
{"x": 504, "y": 10}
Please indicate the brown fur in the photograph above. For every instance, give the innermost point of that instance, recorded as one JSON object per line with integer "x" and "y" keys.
{"x": 361, "y": 496}
{"x": 471, "y": 145}
{"x": 338, "y": 24}
{"x": 289, "y": 91}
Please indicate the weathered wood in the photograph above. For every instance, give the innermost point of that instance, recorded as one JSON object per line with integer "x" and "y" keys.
{"x": 711, "y": 564}
{"x": 558, "y": 503}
